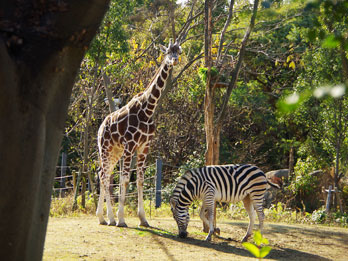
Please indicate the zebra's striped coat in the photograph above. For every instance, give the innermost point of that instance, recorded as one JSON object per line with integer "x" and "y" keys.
{"x": 223, "y": 183}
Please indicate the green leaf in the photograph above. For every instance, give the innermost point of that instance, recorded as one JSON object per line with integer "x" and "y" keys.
{"x": 312, "y": 34}
{"x": 264, "y": 251}
{"x": 257, "y": 238}
{"x": 252, "y": 249}
{"x": 331, "y": 42}
{"x": 264, "y": 241}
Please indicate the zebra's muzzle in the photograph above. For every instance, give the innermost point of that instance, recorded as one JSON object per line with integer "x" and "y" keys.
{"x": 183, "y": 234}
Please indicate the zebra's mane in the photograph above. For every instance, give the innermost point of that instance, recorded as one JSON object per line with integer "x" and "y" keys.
{"x": 181, "y": 185}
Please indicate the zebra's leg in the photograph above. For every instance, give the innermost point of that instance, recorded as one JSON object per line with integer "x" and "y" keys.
{"x": 250, "y": 209}
{"x": 209, "y": 203}
{"x": 124, "y": 181}
{"x": 203, "y": 215}
{"x": 261, "y": 216}
{"x": 141, "y": 157}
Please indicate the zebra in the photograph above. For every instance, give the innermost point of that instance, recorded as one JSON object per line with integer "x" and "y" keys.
{"x": 223, "y": 183}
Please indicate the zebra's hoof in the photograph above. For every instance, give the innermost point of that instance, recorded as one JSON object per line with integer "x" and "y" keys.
{"x": 112, "y": 223}
{"x": 208, "y": 238}
{"x": 104, "y": 223}
{"x": 123, "y": 224}
{"x": 245, "y": 238}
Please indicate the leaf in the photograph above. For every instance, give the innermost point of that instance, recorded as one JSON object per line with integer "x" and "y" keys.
{"x": 264, "y": 241}
{"x": 258, "y": 237}
{"x": 331, "y": 42}
{"x": 312, "y": 34}
{"x": 252, "y": 248}
{"x": 292, "y": 65}
{"x": 264, "y": 251}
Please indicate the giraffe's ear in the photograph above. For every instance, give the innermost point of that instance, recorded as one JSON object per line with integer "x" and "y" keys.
{"x": 180, "y": 50}
{"x": 163, "y": 48}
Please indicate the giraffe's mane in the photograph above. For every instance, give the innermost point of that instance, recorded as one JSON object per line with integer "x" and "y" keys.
{"x": 154, "y": 76}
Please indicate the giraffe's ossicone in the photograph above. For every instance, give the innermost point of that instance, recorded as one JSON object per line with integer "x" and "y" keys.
{"x": 129, "y": 130}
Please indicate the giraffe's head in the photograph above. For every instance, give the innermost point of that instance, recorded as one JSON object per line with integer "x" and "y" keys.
{"x": 172, "y": 53}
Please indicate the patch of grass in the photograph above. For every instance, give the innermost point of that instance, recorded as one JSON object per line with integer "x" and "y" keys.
{"x": 62, "y": 207}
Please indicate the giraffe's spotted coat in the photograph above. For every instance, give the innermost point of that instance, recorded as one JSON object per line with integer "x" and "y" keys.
{"x": 127, "y": 131}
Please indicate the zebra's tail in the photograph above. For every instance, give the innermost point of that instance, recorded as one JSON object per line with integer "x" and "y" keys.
{"x": 275, "y": 182}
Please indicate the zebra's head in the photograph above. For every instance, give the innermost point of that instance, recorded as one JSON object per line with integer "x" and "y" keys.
{"x": 181, "y": 216}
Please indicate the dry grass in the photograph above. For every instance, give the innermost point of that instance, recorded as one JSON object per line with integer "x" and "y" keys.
{"x": 81, "y": 238}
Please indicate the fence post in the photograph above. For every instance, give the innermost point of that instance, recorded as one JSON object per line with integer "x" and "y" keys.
{"x": 76, "y": 192}
{"x": 328, "y": 200}
{"x": 159, "y": 165}
{"x": 62, "y": 173}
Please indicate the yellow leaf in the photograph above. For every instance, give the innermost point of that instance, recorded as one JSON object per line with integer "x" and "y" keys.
{"x": 292, "y": 65}
{"x": 288, "y": 59}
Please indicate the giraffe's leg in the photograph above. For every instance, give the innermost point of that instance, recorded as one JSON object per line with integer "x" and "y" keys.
{"x": 141, "y": 157}
{"x": 124, "y": 181}
{"x": 101, "y": 202}
{"x": 104, "y": 190}
{"x": 108, "y": 158}
{"x": 250, "y": 209}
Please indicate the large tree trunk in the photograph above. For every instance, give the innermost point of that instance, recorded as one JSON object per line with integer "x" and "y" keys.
{"x": 213, "y": 127}
{"x": 41, "y": 47}
{"x": 209, "y": 103}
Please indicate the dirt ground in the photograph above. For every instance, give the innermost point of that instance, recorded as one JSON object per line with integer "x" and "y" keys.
{"x": 82, "y": 238}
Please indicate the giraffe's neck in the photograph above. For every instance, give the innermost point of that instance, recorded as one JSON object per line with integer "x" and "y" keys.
{"x": 153, "y": 93}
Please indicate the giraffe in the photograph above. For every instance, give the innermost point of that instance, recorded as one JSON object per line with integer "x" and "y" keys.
{"x": 129, "y": 130}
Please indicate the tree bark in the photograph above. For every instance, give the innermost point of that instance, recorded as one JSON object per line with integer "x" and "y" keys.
{"x": 41, "y": 47}
{"x": 213, "y": 127}
{"x": 209, "y": 105}
{"x": 291, "y": 163}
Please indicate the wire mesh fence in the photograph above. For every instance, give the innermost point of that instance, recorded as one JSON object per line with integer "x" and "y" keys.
{"x": 67, "y": 176}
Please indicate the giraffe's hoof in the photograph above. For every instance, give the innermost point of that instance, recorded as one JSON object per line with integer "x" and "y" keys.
{"x": 122, "y": 224}
{"x": 113, "y": 223}
{"x": 205, "y": 229}
{"x": 144, "y": 224}
{"x": 103, "y": 223}
{"x": 217, "y": 231}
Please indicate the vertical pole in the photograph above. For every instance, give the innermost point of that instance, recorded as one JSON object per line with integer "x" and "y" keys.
{"x": 62, "y": 173}
{"x": 159, "y": 165}
{"x": 76, "y": 192}
{"x": 328, "y": 200}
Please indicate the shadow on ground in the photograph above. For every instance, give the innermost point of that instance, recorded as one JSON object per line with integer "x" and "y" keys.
{"x": 277, "y": 254}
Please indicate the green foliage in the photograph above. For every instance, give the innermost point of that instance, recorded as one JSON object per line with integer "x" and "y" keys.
{"x": 256, "y": 249}
{"x": 202, "y": 72}
{"x": 304, "y": 184}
